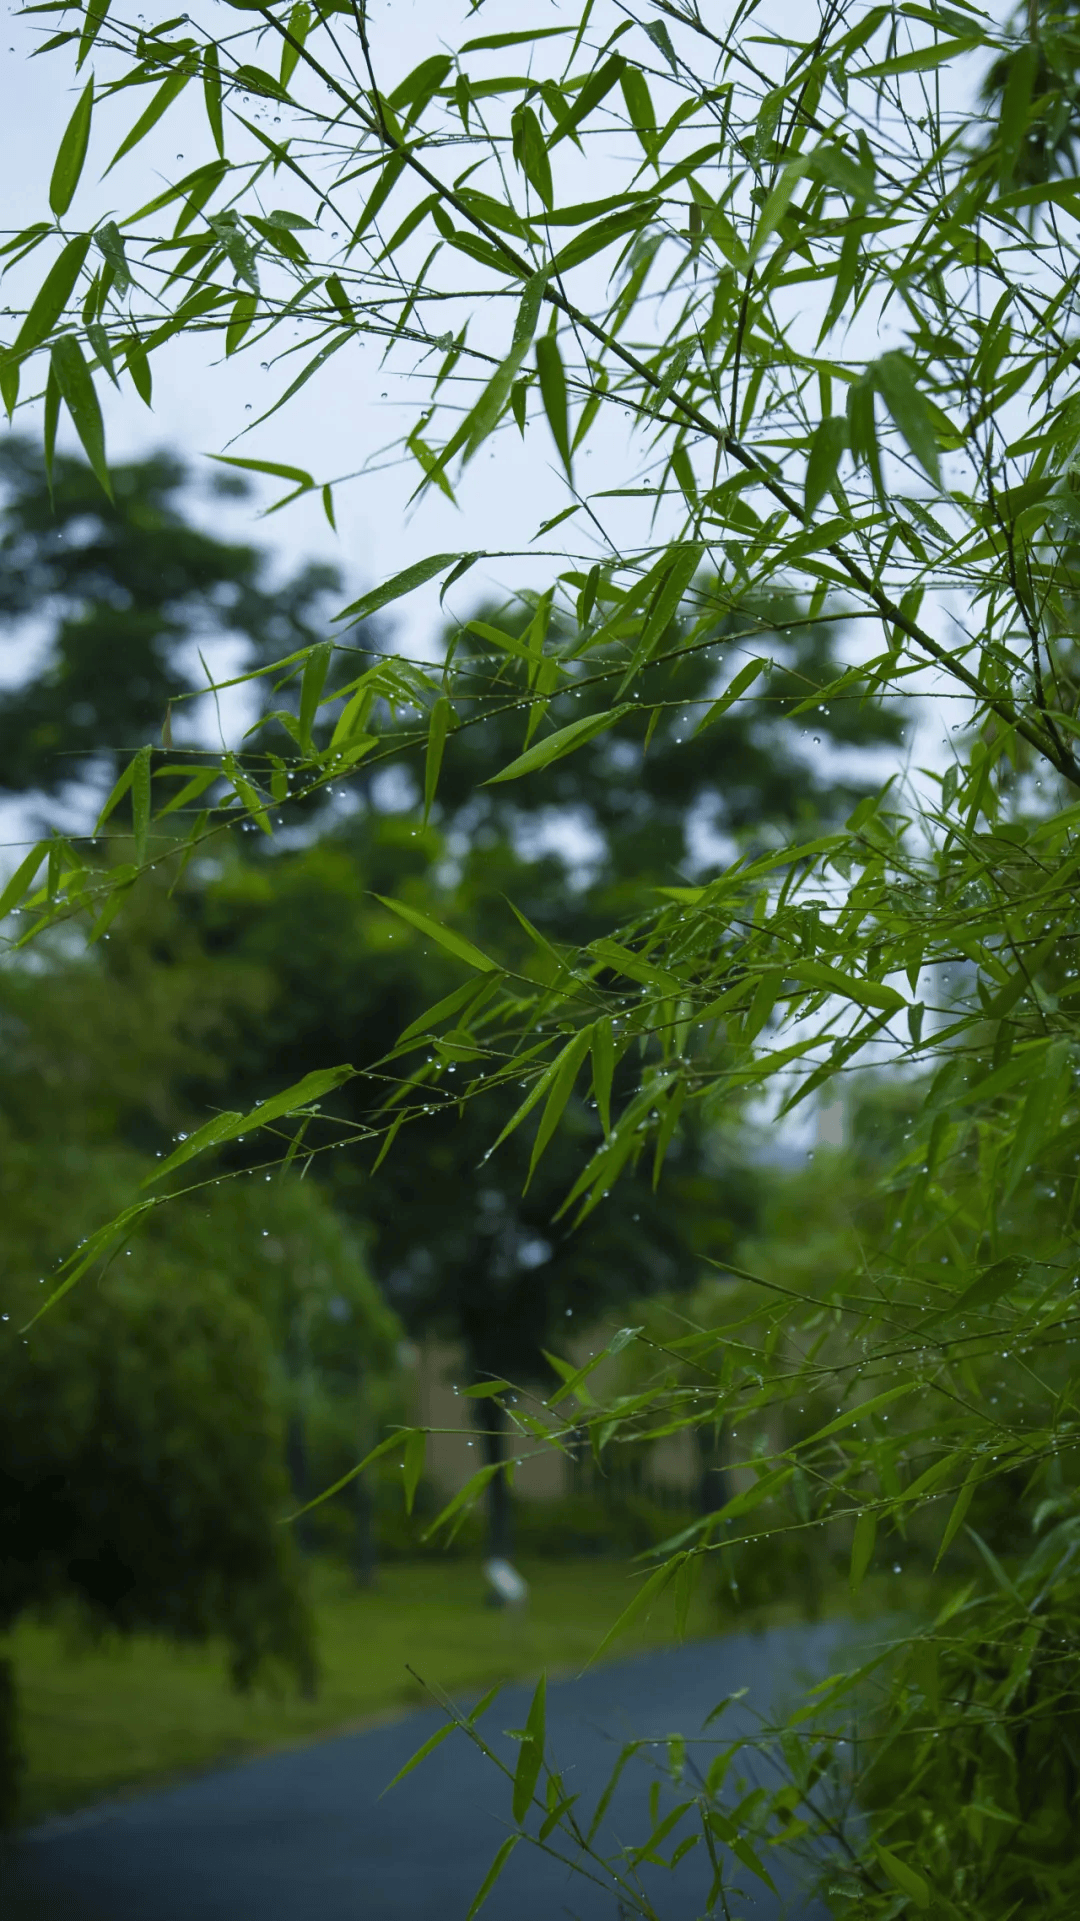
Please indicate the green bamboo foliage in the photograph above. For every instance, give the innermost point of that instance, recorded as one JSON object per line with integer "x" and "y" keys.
{"x": 833, "y": 287}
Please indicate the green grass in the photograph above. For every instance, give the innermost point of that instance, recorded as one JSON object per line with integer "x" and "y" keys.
{"x": 100, "y": 1720}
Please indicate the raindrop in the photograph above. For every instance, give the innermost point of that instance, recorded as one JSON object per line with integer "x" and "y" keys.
{"x": 179, "y": 156}
{"x": 247, "y": 409}
{"x": 382, "y": 396}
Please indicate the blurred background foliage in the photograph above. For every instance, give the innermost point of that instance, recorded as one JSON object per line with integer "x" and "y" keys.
{"x": 157, "y": 1425}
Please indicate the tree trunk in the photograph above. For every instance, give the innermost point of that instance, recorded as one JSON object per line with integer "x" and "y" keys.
{"x": 500, "y": 1506}
{"x": 713, "y": 1487}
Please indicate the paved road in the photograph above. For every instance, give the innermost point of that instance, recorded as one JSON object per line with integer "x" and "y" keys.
{"x": 304, "y": 1836}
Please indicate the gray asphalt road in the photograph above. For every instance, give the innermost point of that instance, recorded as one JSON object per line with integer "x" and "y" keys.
{"x": 304, "y": 1836}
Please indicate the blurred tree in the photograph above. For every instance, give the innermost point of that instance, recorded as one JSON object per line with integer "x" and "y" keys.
{"x": 465, "y": 1246}
{"x": 128, "y": 591}
{"x": 143, "y": 1420}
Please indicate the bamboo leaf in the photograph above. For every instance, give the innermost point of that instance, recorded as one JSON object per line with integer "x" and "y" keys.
{"x": 862, "y": 1547}
{"x": 212, "y": 95}
{"x": 397, "y": 586}
{"x": 170, "y": 90}
{"x": 530, "y": 152}
{"x": 561, "y": 1088}
{"x": 52, "y": 298}
{"x": 596, "y": 88}
{"x": 291, "y": 49}
{"x": 603, "y": 1059}
{"x": 861, "y": 1411}
{"x": 71, "y": 154}
{"x": 549, "y": 366}
{"x": 95, "y": 19}
{"x": 646, "y": 1594}
{"x": 443, "y": 936}
{"x": 229, "y": 1127}
{"x": 76, "y": 385}
{"x": 903, "y": 1877}
{"x": 316, "y": 668}
{"x": 427, "y": 1747}
{"x": 415, "y": 1458}
{"x": 438, "y": 728}
{"x": 897, "y": 387}
{"x": 739, "y": 685}
{"x": 140, "y": 801}
{"x": 959, "y": 1509}
{"x": 564, "y": 741}
{"x": 392, "y": 1441}
{"x": 531, "y": 1755}
{"x": 492, "y": 1875}
{"x": 22, "y": 879}
{"x": 829, "y": 442}
{"x": 464, "y": 1498}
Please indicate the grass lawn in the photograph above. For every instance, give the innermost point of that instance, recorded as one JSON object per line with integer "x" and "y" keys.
{"x": 101, "y": 1719}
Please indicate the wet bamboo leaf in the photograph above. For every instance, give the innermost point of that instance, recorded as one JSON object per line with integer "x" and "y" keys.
{"x": 443, "y": 936}
{"x": 71, "y": 154}
{"x": 96, "y": 12}
{"x": 896, "y": 384}
{"x": 829, "y": 442}
{"x": 438, "y": 728}
{"x": 959, "y": 1509}
{"x": 229, "y": 1127}
{"x": 531, "y": 1755}
{"x": 140, "y": 801}
{"x": 904, "y": 1877}
{"x": 549, "y": 367}
{"x": 76, "y": 385}
{"x": 862, "y": 1547}
{"x": 427, "y": 1747}
{"x": 299, "y": 23}
{"x": 52, "y": 297}
{"x": 169, "y": 91}
{"x": 22, "y": 879}
{"x": 530, "y": 152}
{"x": 561, "y": 1088}
{"x": 492, "y": 1875}
{"x": 564, "y": 741}
{"x": 403, "y": 583}
{"x": 603, "y": 1062}
{"x": 316, "y": 668}
{"x": 415, "y": 1458}
{"x": 596, "y": 88}
{"x": 645, "y": 1595}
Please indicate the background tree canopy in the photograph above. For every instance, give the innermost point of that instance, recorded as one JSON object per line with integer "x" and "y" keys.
{"x": 308, "y": 969}
{"x": 829, "y": 294}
